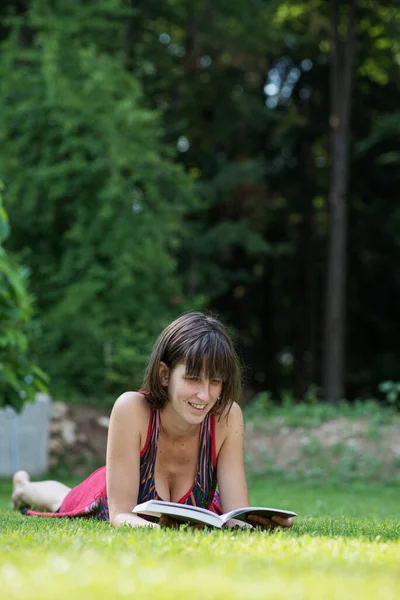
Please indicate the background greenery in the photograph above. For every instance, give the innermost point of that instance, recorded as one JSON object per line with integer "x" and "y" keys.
{"x": 163, "y": 158}
{"x": 19, "y": 378}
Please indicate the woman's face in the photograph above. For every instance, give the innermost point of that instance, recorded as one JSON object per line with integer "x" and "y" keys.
{"x": 191, "y": 397}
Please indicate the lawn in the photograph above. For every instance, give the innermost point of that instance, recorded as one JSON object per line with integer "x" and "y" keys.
{"x": 345, "y": 544}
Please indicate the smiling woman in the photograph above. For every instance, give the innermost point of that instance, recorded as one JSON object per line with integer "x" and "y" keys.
{"x": 174, "y": 440}
{"x": 202, "y": 344}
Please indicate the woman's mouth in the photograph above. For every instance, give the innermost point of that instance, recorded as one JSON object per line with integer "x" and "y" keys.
{"x": 199, "y": 407}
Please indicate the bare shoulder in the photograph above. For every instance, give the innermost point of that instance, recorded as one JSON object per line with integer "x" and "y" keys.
{"x": 232, "y": 418}
{"x": 229, "y": 424}
{"x": 131, "y": 406}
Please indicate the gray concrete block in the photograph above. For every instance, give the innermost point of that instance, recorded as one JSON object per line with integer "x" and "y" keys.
{"x": 24, "y": 438}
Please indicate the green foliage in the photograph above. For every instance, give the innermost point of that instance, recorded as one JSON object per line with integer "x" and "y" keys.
{"x": 265, "y": 410}
{"x": 19, "y": 378}
{"x": 261, "y": 159}
{"x": 391, "y": 389}
{"x": 95, "y": 98}
{"x": 260, "y": 406}
{"x": 101, "y": 198}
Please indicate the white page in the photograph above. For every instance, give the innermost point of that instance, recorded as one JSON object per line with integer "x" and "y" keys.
{"x": 196, "y": 514}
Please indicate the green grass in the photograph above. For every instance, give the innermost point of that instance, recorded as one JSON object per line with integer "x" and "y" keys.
{"x": 345, "y": 544}
{"x": 290, "y": 413}
{"x": 355, "y": 500}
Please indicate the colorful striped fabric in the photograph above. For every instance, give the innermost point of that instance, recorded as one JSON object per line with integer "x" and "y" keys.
{"x": 203, "y": 489}
{"x": 89, "y": 498}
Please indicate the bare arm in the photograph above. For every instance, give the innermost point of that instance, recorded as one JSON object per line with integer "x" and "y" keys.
{"x": 230, "y": 471}
{"x": 123, "y": 459}
{"x": 231, "y": 474}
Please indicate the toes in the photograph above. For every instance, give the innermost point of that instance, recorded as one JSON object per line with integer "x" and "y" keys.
{"x": 21, "y": 477}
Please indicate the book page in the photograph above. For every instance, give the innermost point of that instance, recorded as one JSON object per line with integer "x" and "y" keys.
{"x": 180, "y": 512}
{"x": 242, "y": 513}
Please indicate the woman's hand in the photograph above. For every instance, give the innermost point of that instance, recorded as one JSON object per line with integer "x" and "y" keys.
{"x": 236, "y": 524}
{"x": 271, "y": 523}
{"x": 170, "y": 523}
{"x": 132, "y": 520}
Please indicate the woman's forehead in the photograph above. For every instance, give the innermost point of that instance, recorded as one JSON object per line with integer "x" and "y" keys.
{"x": 202, "y": 370}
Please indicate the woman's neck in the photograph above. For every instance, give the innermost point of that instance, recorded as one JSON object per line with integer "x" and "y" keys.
{"x": 174, "y": 427}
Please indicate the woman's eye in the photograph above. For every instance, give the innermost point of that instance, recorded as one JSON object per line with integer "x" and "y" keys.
{"x": 192, "y": 378}
{"x": 216, "y": 381}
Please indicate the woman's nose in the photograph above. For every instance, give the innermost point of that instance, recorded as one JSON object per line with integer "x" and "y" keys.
{"x": 204, "y": 391}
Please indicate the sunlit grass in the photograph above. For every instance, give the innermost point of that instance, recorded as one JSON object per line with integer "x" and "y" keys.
{"x": 327, "y": 554}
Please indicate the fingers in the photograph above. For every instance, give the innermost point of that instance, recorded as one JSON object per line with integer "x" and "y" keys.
{"x": 168, "y": 522}
{"x": 287, "y": 523}
{"x": 271, "y": 523}
{"x": 236, "y": 524}
{"x": 172, "y": 524}
{"x": 261, "y": 522}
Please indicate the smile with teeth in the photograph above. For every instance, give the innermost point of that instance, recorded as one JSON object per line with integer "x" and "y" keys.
{"x": 197, "y": 406}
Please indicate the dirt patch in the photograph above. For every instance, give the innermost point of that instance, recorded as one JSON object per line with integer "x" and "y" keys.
{"x": 341, "y": 445}
{"x": 78, "y": 437}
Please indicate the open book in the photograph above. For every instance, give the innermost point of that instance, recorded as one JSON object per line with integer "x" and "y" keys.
{"x": 193, "y": 514}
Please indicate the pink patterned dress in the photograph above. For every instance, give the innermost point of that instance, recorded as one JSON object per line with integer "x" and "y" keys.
{"x": 89, "y": 498}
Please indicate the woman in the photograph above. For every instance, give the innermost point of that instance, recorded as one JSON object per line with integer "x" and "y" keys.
{"x": 174, "y": 440}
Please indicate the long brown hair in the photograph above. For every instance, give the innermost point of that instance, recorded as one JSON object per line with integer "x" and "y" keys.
{"x": 203, "y": 344}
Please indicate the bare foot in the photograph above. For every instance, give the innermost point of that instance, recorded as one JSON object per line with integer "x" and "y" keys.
{"x": 20, "y": 479}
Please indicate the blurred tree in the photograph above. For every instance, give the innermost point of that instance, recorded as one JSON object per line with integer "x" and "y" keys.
{"x": 101, "y": 198}
{"x": 205, "y": 65}
{"x": 297, "y": 93}
{"x": 341, "y": 90}
{"x": 250, "y": 113}
{"x": 19, "y": 378}
{"x": 242, "y": 92}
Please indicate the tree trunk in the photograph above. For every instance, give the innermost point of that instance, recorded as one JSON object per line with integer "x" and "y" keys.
{"x": 341, "y": 93}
